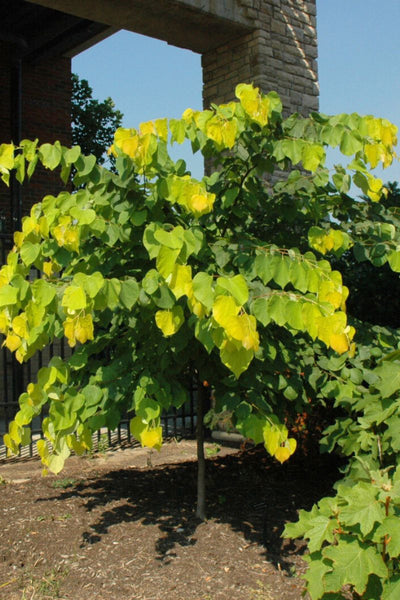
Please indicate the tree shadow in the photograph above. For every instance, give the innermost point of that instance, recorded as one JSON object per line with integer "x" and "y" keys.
{"x": 247, "y": 490}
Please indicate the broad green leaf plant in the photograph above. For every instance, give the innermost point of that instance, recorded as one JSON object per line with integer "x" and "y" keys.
{"x": 155, "y": 277}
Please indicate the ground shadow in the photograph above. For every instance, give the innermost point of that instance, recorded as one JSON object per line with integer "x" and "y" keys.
{"x": 248, "y": 490}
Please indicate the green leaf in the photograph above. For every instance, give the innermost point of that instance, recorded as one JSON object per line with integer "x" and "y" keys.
{"x": 92, "y": 284}
{"x": 111, "y": 291}
{"x": 294, "y": 314}
{"x": 260, "y": 309}
{"x": 350, "y": 143}
{"x": 84, "y": 216}
{"x": 203, "y": 334}
{"x": 50, "y": 155}
{"x": 389, "y": 374}
{"x": 172, "y": 239}
{"x": 394, "y": 260}
{"x": 129, "y": 292}
{"x": 314, "y": 576}
{"x": 71, "y": 155}
{"x": 74, "y": 298}
{"x": 85, "y": 165}
{"x": 203, "y": 290}
{"x": 166, "y": 260}
{"x": 236, "y": 358}
{"x": 277, "y": 308}
{"x": 389, "y": 527}
{"x": 313, "y": 155}
{"x": 177, "y": 127}
{"x": 293, "y": 149}
{"x": 252, "y": 428}
{"x": 8, "y": 295}
{"x": 43, "y": 292}
{"x": 282, "y": 271}
{"x": 391, "y": 588}
{"x": 363, "y": 508}
{"x": 147, "y": 409}
{"x": 353, "y": 562}
{"x": 236, "y": 286}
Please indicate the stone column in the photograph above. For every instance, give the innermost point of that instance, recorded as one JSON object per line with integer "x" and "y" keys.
{"x": 279, "y": 54}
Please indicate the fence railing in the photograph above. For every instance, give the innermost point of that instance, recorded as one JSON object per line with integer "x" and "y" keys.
{"x": 15, "y": 377}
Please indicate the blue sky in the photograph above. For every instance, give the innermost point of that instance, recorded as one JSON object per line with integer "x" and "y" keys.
{"x": 359, "y": 68}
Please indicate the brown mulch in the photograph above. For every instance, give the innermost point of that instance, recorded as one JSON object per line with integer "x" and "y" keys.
{"x": 122, "y": 527}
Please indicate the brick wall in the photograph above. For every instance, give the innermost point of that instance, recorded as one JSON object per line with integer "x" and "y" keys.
{"x": 280, "y": 55}
{"x": 46, "y": 109}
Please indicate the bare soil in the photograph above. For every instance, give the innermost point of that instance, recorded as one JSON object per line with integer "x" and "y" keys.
{"x": 122, "y": 526}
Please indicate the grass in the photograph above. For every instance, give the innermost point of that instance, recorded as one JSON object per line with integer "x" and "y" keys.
{"x": 64, "y": 483}
{"x": 46, "y": 587}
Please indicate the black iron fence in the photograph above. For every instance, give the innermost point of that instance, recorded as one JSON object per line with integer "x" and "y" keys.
{"x": 15, "y": 377}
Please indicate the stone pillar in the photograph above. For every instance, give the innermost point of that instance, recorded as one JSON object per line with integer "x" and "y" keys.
{"x": 279, "y": 54}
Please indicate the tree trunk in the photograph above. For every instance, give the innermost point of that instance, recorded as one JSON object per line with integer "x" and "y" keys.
{"x": 201, "y": 463}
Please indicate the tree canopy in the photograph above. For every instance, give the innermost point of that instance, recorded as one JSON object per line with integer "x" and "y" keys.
{"x": 155, "y": 277}
{"x": 93, "y": 122}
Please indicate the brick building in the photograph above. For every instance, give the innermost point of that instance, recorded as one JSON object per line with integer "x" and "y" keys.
{"x": 271, "y": 43}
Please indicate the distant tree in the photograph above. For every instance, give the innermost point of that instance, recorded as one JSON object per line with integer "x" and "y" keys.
{"x": 93, "y": 121}
{"x": 375, "y": 288}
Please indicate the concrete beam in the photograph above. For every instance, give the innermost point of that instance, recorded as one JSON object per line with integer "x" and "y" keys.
{"x": 197, "y": 25}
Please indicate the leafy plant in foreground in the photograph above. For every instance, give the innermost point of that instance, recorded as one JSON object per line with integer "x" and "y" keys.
{"x": 157, "y": 278}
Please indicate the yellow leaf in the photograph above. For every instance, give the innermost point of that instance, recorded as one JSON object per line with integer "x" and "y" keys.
{"x": 6, "y": 274}
{"x": 75, "y": 445}
{"x": 20, "y": 325}
{"x": 19, "y": 238}
{"x": 339, "y": 342}
{"x": 272, "y": 438}
{"x": 311, "y": 316}
{"x": 282, "y": 454}
{"x": 44, "y": 227}
{"x": 189, "y": 115}
{"x": 66, "y": 234}
{"x": 69, "y": 331}
{"x": 229, "y": 133}
{"x": 201, "y": 204}
{"x": 196, "y": 307}
{"x": 148, "y": 127}
{"x": 328, "y": 292}
{"x": 147, "y": 147}
{"x": 170, "y": 321}
{"x": 180, "y": 282}
{"x": 12, "y": 342}
{"x": 256, "y": 106}
{"x": 388, "y": 133}
{"x": 162, "y": 129}
{"x": 375, "y": 186}
{"x": 4, "y": 322}
{"x": 152, "y": 438}
{"x": 7, "y": 156}
{"x": 292, "y": 444}
{"x": 50, "y": 268}
{"x": 84, "y": 328}
{"x": 29, "y": 224}
{"x": 330, "y": 326}
{"x": 224, "y": 309}
{"x": 244, "y": 328}
{"x": 126, "y": 140}
{"x": 214, "y": 129}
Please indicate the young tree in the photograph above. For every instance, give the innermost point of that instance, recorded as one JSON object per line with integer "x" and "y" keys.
{"x": 161, "y": 278}
{"x": 93, "y": 122}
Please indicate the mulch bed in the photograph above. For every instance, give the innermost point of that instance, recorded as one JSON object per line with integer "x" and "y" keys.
{"x": 129, "y": 533}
